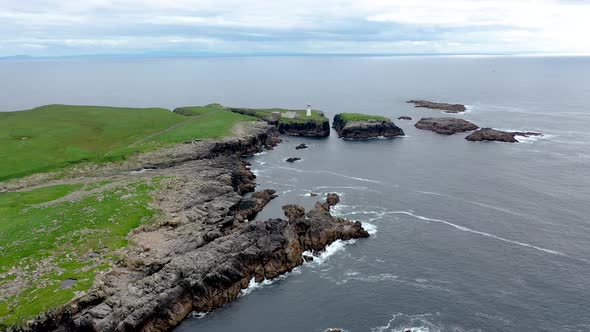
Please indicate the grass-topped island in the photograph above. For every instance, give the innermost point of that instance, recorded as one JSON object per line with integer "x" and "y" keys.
{"x": 363, "y": 126}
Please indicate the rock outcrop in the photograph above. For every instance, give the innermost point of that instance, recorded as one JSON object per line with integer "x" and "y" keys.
{"x": 365, "y": 129}
{"x": 301, "y": 146}
{"x": 404, "y": 117}
{"x": 200, "y": 253}
{"x": 445, "y": 126}
{"x": 303, "y": 126}
{"x": 489, "y": 134}
{"x": 447, "y": 108}
{"x": 292, "y": 159}
{"x": 309, "y": 128}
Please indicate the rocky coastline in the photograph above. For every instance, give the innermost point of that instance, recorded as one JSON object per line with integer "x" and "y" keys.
{"x": 445, "y": 126}
{"x": 365, "y": 129}
{"x": 489, "y": 134}
{"x": 202, "y": 251}
{"x": 447, "y": 108}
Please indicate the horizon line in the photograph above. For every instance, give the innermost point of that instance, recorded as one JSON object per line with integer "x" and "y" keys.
{"x": 288, "y": 54}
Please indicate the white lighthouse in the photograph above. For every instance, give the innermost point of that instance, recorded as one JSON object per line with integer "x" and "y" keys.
{"x": 308, "y": 110}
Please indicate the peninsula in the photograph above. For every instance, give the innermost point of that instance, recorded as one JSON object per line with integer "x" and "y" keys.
{"x": 130, "y": 219}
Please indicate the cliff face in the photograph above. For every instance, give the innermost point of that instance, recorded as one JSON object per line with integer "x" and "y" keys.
{"x": 309, "y": 128}
{"x": 361, "y": 129}
{"x": 202, "y": 251}
{"x": 303, "y": 127}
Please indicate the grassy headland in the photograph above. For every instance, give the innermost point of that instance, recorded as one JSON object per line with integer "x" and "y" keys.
{"x": 54, "y": 136}
{"x": 54, "y": 239}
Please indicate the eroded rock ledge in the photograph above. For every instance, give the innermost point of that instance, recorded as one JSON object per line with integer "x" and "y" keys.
{"x": 202, "y": 251}
{"x": 445, "y": 126}
{"x": 489, "y": 134}
{"x": 365, "y": 129}
{"x": 447, "y": 108}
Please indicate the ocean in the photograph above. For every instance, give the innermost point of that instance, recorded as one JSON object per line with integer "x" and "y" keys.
{"x": 466, "y": 236}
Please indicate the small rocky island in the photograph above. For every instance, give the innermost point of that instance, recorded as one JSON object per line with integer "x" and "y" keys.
{"x": 358, "y": 126}
{"x": 291, "y": 122}
{"x": 405, "y": 117}
{"x": 447, "y": 108}
{"x": 445, "y": 126}
{"x": 489, "y": 134}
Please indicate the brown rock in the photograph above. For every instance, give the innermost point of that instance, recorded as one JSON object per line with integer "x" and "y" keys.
{"x": 489, "y": 134}
{"x": 447, "y": 108}
{"x": 445, "y": 126}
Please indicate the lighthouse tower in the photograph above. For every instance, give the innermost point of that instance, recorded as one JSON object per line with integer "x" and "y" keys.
{"x": 308, "y": 110}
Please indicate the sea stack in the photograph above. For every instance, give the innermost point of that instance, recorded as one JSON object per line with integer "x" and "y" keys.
{"x": 358, "y": 126}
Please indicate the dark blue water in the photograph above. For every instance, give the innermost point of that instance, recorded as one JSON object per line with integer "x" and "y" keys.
{"x": 466, "y": 236}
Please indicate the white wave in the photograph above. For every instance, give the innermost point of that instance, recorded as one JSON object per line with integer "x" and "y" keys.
{"x": 253, "y": 285}
{"x": 261, "y": 153}
{"x": 532, "y": 139}
{"x": 329, "y": 172}
{"x": 471, "y": 202}
{"x": 334, "y": 248}
{"x": 370, "y": 228}
{"x": 260, "y": 162}
{"x": 415, "y": 323}
{"x": 469, "y": 108}
{"x": 466, "y": 229}
{"x": 199, "y": 314}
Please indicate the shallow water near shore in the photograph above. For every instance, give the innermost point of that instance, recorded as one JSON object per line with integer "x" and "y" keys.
{"x": 465, "y": 236}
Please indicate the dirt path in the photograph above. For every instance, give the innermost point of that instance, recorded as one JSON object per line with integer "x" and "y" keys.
{"x": 176, "y": 126}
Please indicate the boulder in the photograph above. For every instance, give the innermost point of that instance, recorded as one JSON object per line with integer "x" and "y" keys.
{"x": 292, "y": 159}
{"x": 404, "y": 117}
{"x": 445, "y": 126}
{"x": 301, "y": 146}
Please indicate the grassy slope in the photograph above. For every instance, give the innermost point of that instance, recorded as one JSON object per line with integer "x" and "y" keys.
{"x": 43, "y": 246}
{"x": 40, "y": 247}
{"x": 54, "y": 136}
{"x": 362, "y": 117}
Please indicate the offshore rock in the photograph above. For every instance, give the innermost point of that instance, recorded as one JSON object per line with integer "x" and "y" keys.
{"x": 445, "y": 126}
{"x": 489, "y": 134}
{"x": 447, "y": 108}
{"x": 365, "y": 129}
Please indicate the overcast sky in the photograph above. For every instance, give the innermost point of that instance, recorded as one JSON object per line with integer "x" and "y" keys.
{"x": 81, "y": 27}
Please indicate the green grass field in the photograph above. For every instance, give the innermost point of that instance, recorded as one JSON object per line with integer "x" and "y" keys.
{"x": 44, "y": 245}
{"x": 362, "y": 117}
{"x": 50, "y": 137}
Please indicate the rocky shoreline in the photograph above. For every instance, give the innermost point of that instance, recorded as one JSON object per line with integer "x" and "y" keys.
{"x": 365, "y": 129}
{"x": 202, "y": 251}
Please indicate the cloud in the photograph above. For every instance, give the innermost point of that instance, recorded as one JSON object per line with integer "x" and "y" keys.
{"x": 68, "y": 27}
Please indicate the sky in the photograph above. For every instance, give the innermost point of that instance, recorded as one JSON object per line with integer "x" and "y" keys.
{"x": 204, "y": 27}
